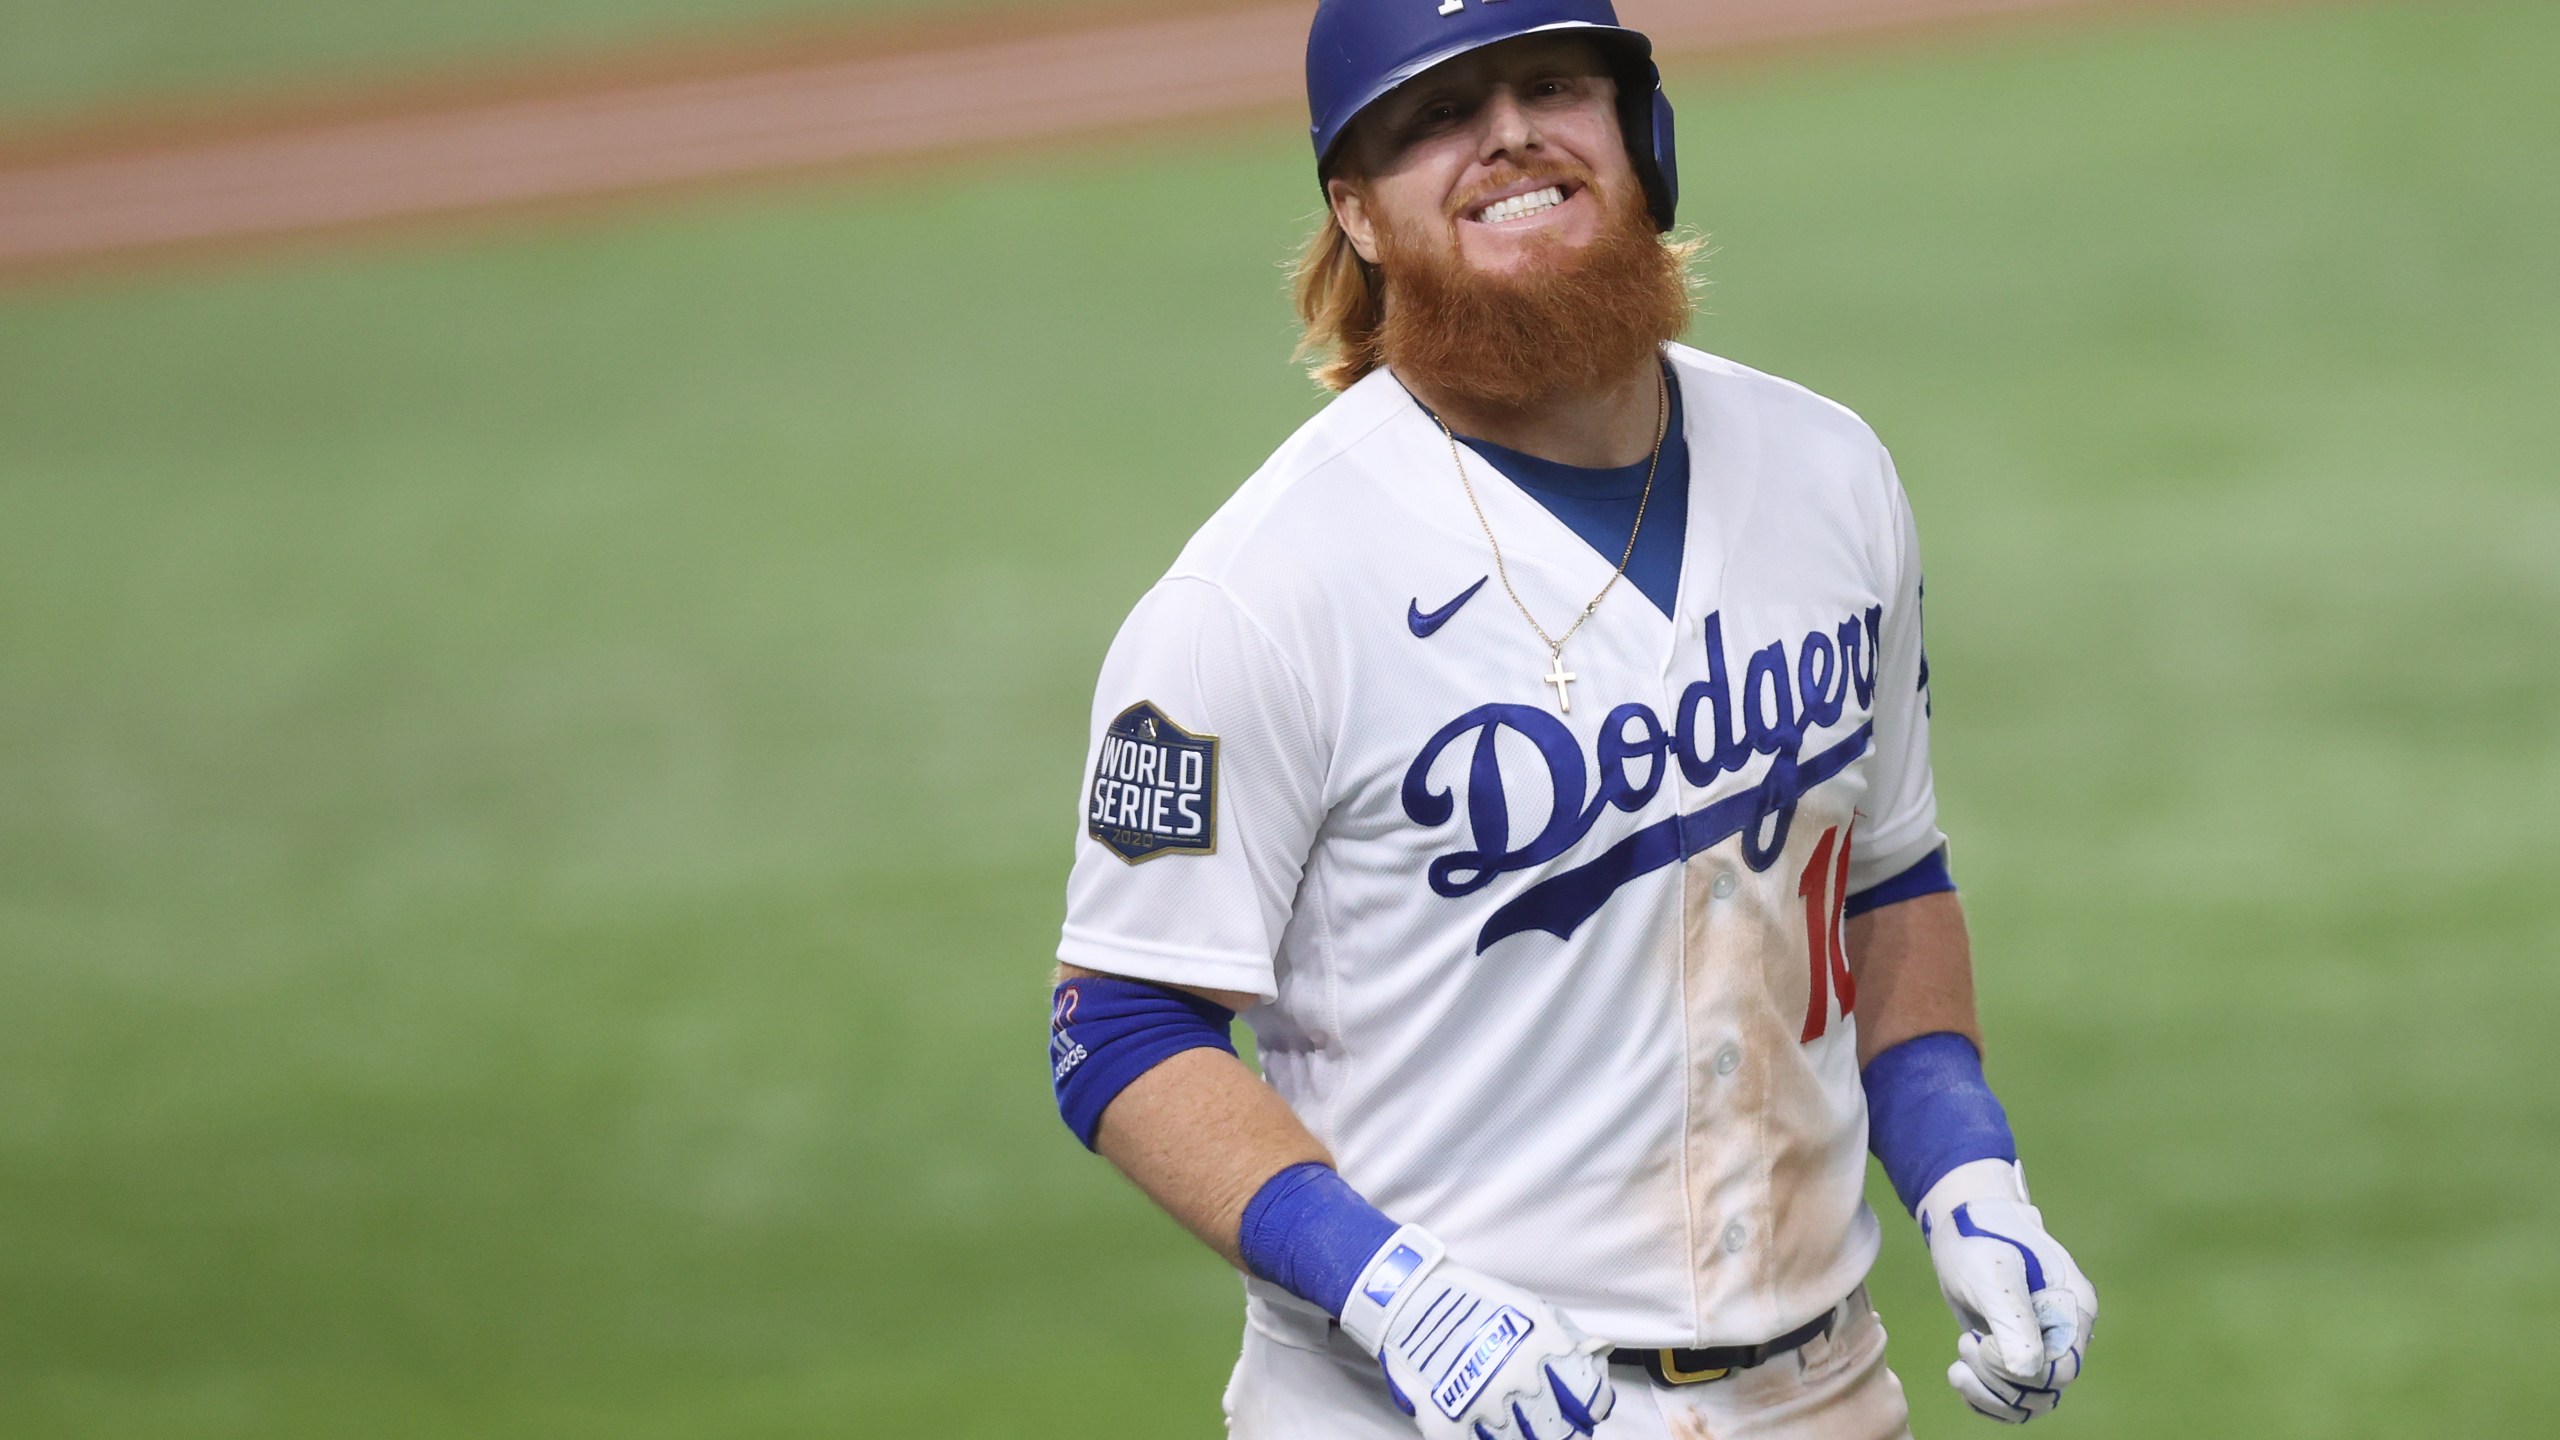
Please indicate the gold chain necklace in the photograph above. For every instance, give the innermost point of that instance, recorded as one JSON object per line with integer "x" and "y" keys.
{"x": 1557, "y": 675}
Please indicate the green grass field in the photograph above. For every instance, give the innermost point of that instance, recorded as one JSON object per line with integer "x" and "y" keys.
{"x": 63, "y": 56}
{"x": 536, "y": 771}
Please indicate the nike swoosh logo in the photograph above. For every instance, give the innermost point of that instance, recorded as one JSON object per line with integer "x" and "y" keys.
{"x": 1425, "y": 626}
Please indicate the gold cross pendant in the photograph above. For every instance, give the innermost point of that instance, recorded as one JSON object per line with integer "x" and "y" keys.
{"x": 1560, "y": 677}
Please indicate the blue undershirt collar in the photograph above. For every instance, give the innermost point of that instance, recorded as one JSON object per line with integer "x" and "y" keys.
{"x": 1600, "y": 504}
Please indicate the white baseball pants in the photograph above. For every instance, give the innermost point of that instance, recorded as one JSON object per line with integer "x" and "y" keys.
{"x": 1835, "y": 1388}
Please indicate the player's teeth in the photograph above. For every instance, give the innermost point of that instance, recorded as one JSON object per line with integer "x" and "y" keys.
{"x": 1520, "y": 205}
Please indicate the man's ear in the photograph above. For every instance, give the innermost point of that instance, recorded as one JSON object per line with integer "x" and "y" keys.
{"x": 1351, "y": 212}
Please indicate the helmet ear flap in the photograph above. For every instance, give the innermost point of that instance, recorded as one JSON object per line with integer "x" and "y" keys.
{"x": 1661, "y": 167}
{"x": 1645, "y": 121}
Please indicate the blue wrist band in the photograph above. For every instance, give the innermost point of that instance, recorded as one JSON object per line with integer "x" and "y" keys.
{"x": 1308, "y": 1232}
{"x": 1105, "y": 1032}
{"x": 1929, "y": 1110}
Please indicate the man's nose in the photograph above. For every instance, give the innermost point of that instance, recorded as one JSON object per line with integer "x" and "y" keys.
{"x": 1507, "y": 128}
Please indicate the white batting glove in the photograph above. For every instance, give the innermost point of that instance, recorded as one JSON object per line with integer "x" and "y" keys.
{"x": 2026, "y": 1308}
{"x": 1469, "y": 1357}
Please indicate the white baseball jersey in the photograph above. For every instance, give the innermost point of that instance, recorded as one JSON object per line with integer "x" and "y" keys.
{"x": 1565, "y": 987}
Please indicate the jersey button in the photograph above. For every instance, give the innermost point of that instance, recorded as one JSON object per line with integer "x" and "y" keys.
{"x": 1734, "y": 1236}
{"x": 1724, "y": 887}
{"x": 1728, "y": 1059}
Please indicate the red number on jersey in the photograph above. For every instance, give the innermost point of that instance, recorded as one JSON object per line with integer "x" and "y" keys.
{"x": 1825, "y": 888}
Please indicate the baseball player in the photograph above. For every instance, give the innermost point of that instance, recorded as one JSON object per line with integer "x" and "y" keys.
{"x": 1536, "y": 752}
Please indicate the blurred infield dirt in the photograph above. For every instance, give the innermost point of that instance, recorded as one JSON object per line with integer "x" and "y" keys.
{"x": 141, "y": 187}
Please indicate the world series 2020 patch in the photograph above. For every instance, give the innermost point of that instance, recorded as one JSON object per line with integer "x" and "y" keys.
{"x": 1155, "y": 788}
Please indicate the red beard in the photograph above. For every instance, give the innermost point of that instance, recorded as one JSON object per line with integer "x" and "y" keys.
{"x": 1574, "y": 324}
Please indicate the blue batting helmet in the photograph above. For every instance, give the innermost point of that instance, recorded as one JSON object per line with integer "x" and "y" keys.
{"x": 1359, "y": 50}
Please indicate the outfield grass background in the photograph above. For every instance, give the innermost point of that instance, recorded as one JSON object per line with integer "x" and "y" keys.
{"x": 535, "y": 772}
{"x": 63, "y": 57}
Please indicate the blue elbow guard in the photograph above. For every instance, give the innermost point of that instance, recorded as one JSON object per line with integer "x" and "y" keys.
{"x": 1105, "y": 1032}
{"x": 1929, "y": 1110}
{"x": 1308, "y": 1232}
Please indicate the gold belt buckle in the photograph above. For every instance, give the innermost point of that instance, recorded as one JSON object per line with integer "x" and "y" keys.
{"x": 1672, "y": 1374}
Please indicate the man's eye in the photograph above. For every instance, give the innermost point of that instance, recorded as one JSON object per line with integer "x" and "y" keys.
{"x": 1432, "y": 117}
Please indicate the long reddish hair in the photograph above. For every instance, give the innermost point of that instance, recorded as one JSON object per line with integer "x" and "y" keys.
{"x": 1341, "y": 304}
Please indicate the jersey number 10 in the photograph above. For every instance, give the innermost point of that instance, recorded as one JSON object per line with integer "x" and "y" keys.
{"x": 1825, "y": 888}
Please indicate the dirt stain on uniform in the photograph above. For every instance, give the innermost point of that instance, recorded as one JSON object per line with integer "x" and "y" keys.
{"x": 1690, "y": 1425}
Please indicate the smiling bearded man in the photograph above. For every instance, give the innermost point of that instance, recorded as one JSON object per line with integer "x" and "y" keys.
{"x": 1592, "y": 925}
{"x": 1566, "y": 323}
